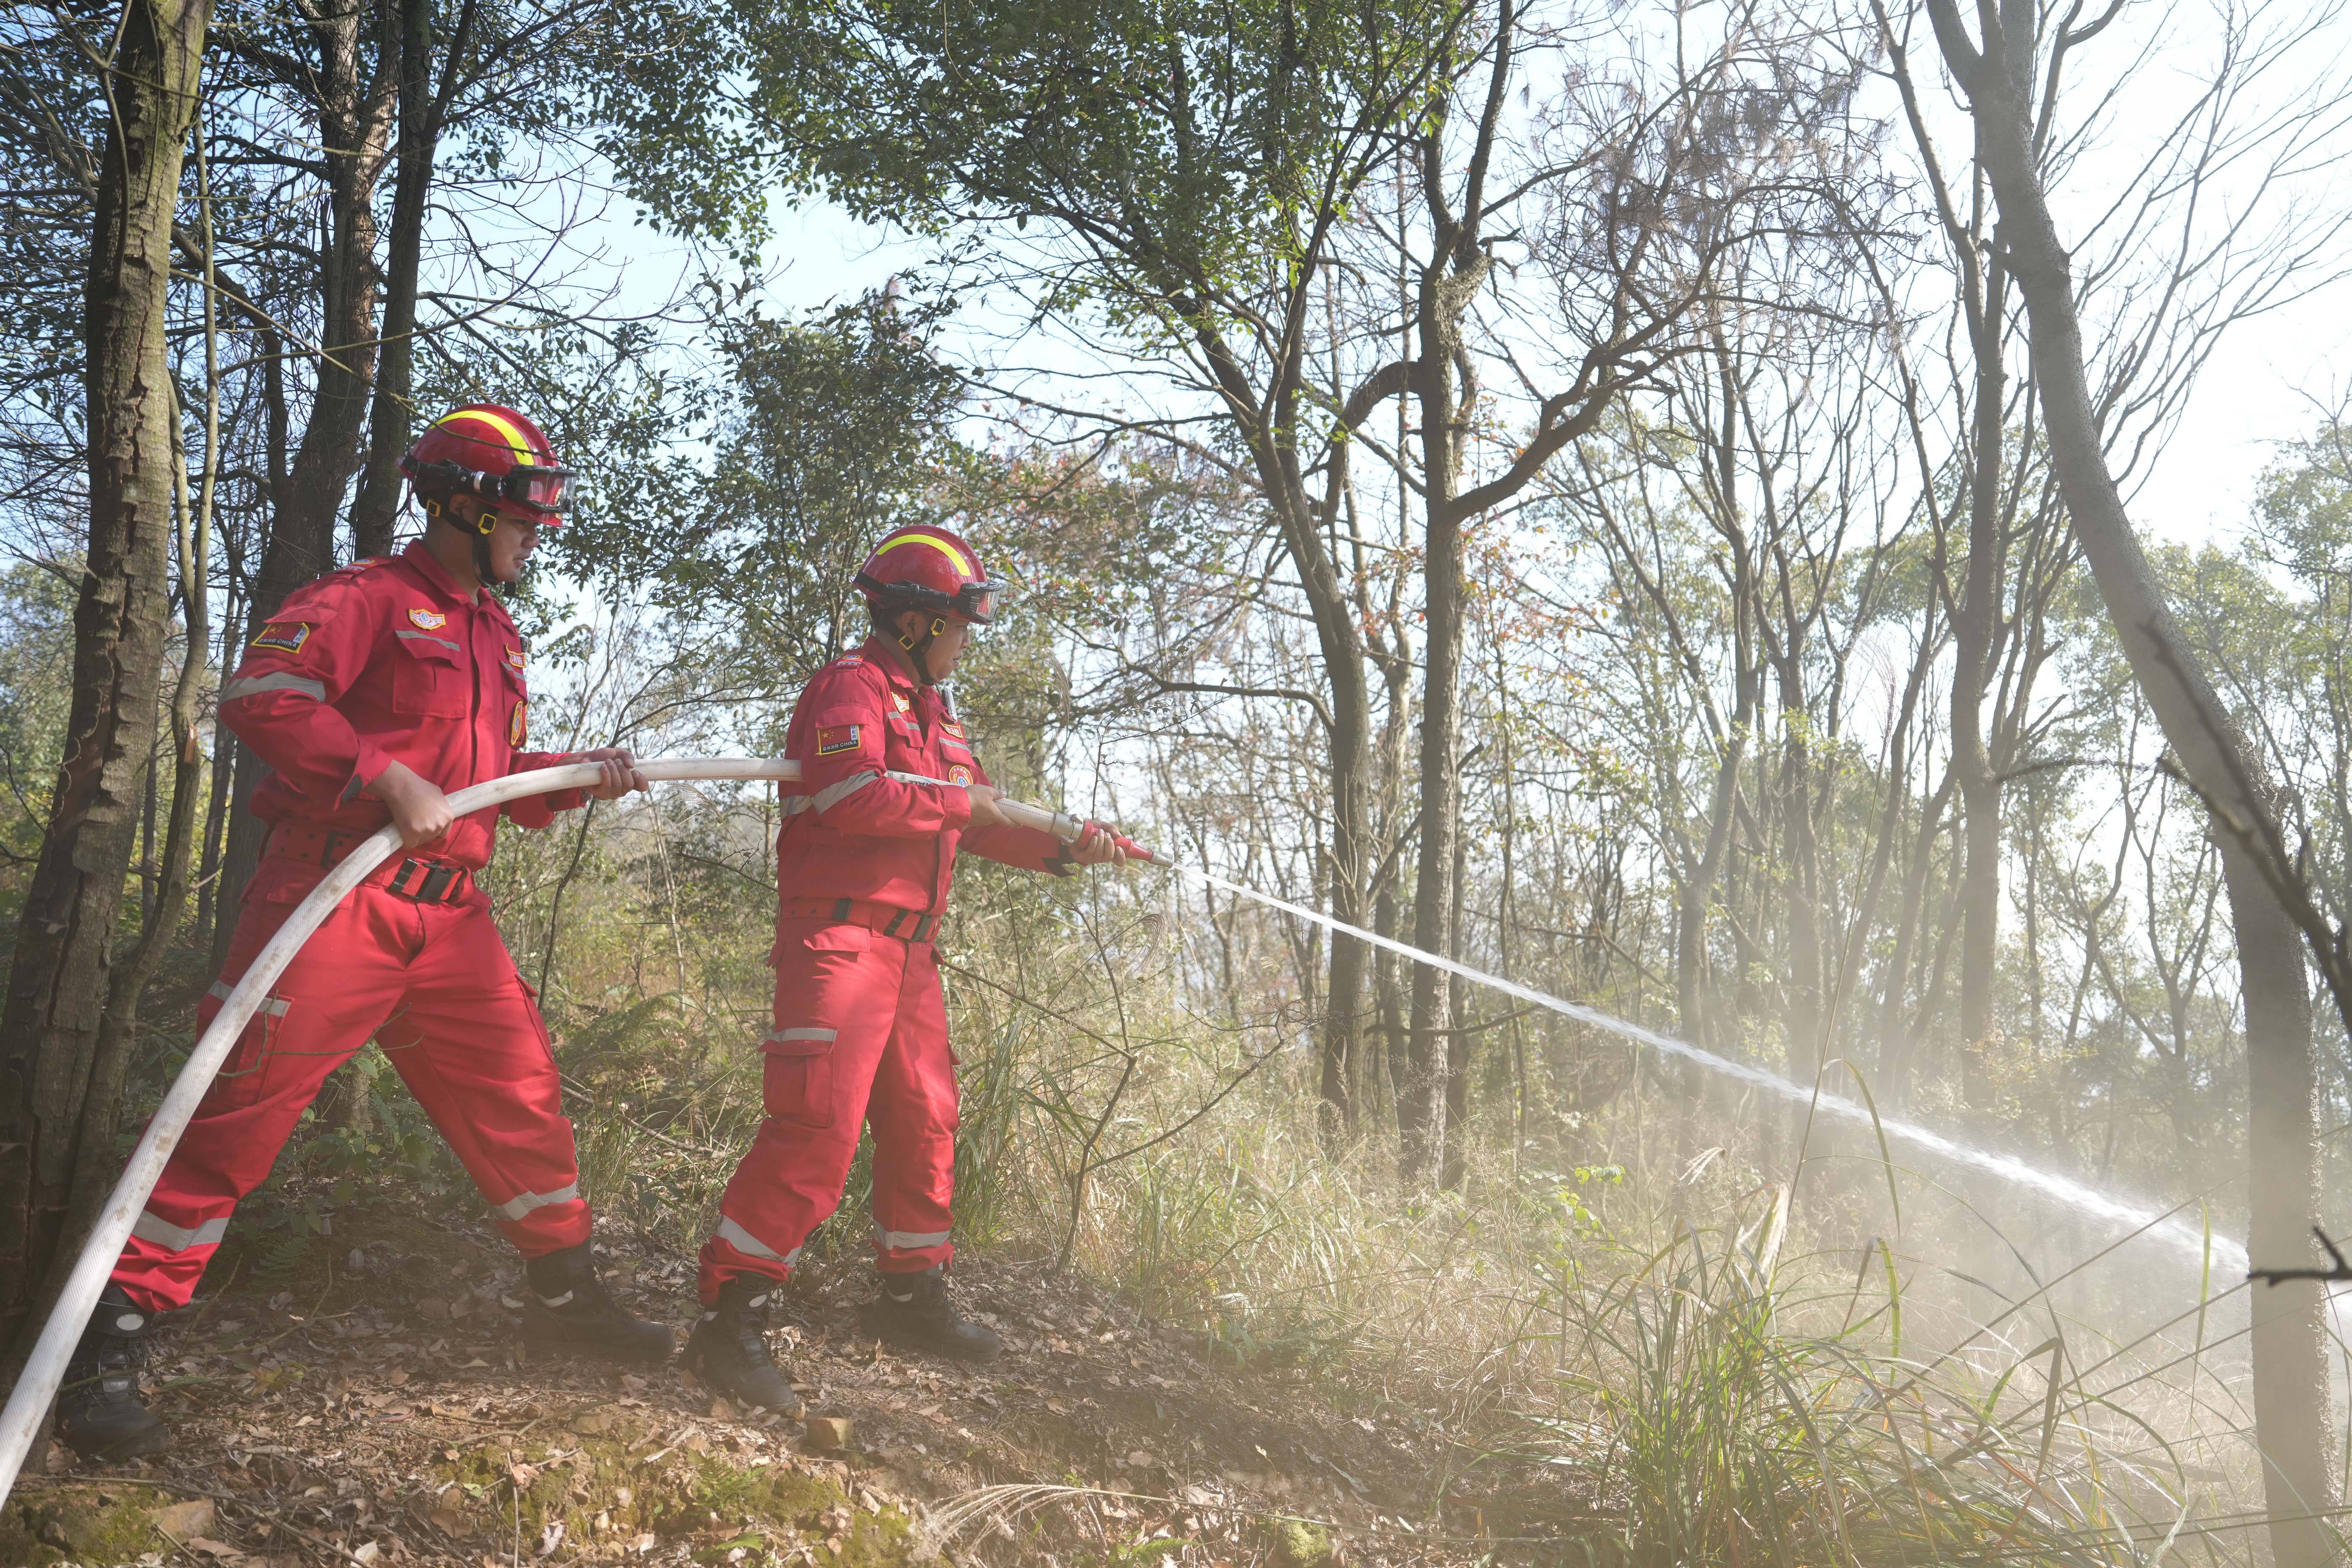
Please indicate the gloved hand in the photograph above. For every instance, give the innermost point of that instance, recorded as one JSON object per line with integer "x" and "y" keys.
{"x": 1102, "y": 845}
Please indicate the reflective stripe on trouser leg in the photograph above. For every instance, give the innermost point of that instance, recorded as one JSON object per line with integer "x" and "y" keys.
{"x": 837, "y": 994}
{"x": 152, "y": 1227}
{"x": 907, "y": 1240}
{"x": 913, "y": 1114}
{"x": 470, "y": 1044}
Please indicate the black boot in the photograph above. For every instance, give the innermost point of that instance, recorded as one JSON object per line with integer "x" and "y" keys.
{"x": 98, "y": 1413}
{"x": 913, "y": 1311}
{"x": 729, "y": 1348}
{"x": 569, "y": 1308}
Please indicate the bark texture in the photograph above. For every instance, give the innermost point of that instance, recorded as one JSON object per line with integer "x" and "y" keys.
{"x": 57, "y": 1108}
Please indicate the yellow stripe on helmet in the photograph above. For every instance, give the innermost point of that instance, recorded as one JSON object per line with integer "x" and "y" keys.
{"x": 936, "y": 543}
{"x": 504, "y": 427}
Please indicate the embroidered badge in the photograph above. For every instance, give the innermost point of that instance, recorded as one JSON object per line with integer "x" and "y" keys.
{"x": 518, "y": 727}
{"x": 959, "y": 775}
{"x": 954, "y": 727}
{"x": 849, "y": 661}
{"x": 900, "y": 699}
{"x": 514, "y": 657}
{"x": 831, "y": 739}
{"x": 285, "y": 636}
{"x": 428, "y": 620}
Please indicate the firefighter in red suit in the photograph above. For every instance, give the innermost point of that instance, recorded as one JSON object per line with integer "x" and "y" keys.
{"x": 889, "y": 793}
{"x": 372, "y": 694}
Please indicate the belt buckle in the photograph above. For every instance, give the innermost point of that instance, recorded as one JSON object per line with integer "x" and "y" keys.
{"x": 426, "y": 883}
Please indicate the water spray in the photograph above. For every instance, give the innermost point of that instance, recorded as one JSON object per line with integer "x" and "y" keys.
{"x": 29, "y": 1401}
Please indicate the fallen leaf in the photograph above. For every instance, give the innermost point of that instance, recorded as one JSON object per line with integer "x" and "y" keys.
{"x": 367, "y": 1553}
{"x": 183, "y": 1519}
{"x": 212, "y": 1548}
{"x": 646, "y": 1542}
{"x": 721, "y": 1411}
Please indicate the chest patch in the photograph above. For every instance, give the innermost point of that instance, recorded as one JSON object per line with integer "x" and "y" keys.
{"x": 898, "y": 699}
{"x": 959, "y": 774}
{"x": 514, "y": 657}
{"x": 954, "y": 727}
{"x": 834, "y": 739}
{"x": 428, "y": 620}
{"x": 287, "y": 637}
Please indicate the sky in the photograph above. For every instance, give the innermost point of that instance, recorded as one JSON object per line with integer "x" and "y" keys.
{"x": 2269, "y": 380}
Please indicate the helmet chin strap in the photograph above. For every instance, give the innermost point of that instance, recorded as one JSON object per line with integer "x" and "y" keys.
{"x": 477, "y": 534}
{"x": 918, "y": 649}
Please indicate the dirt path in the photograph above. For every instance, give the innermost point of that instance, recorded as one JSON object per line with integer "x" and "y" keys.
{"x": 382, "y": 1408}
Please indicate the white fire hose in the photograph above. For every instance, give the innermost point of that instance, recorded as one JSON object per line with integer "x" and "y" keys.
{"x": 45, "y": 1369}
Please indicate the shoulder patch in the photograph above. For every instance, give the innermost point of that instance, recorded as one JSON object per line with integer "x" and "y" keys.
{"x": 833, "y": 739}
{"x": 959, "y": 775}
{"x": 428, "y": 620}
{"x": 849, "y": 661}
{"x": 287, "y": 637}
{"x": 368, "y": 563}
{"x": 514, "y": 657}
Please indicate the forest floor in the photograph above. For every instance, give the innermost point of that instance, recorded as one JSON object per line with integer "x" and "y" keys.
{"x": 381, "y": 1407}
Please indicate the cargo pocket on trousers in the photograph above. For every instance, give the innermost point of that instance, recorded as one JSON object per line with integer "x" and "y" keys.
{"x": 798, "y": 1082}
{"x": 245, "y": 1077}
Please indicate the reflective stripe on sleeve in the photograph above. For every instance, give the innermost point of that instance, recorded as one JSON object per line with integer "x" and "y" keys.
{"x": 523, "y": 1203}
{"x": 255, "y": 685}
{"x": 833, "y": 794}
{"x": 152, "y": 1227}
{"x": 750, "y": 1245}
{"x": 903, "y": 1240}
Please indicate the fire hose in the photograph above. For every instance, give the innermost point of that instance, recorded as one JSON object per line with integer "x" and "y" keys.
{"x": 28, "y": 1402}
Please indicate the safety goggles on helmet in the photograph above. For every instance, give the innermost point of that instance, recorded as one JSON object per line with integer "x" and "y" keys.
{"x": 536, "y": 487}
{"x": 970, "y": 603}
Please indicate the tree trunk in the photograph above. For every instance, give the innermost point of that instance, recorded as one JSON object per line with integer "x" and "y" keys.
{"x": 1441, "y": 787}
{"x": 353, "y": 122}
{"x": 1973, "y": 625}
{"x": 390, "y": 419}
{"x": 2291, "y": 1419}
{"x": 1461, "y": 1049}
{"x": 2291, "y": 1414}
{"x": 55, "y": 1115}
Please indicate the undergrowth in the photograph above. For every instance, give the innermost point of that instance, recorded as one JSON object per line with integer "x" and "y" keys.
{"x": 1670, "y": 1353}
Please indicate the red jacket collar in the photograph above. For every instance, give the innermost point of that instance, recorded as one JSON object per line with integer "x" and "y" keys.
{"x": 428, "y": 565}
{"x": 884, "y": 656}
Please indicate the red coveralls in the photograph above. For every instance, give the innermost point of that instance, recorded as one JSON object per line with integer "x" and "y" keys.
{"x": 388, "y": 661}
{"x": 862, "y": 866}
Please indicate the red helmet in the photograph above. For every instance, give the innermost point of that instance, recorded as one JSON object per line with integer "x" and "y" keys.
{"x": 930, "y": 568}
{"x": 493, "y": 452}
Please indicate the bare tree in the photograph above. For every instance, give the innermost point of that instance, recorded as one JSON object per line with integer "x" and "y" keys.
{"x": 2012, "y": 72}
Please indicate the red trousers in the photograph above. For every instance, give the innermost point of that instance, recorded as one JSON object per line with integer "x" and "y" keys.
{"x": 861, "y": 1036}
{"x": 433, "y": 983}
